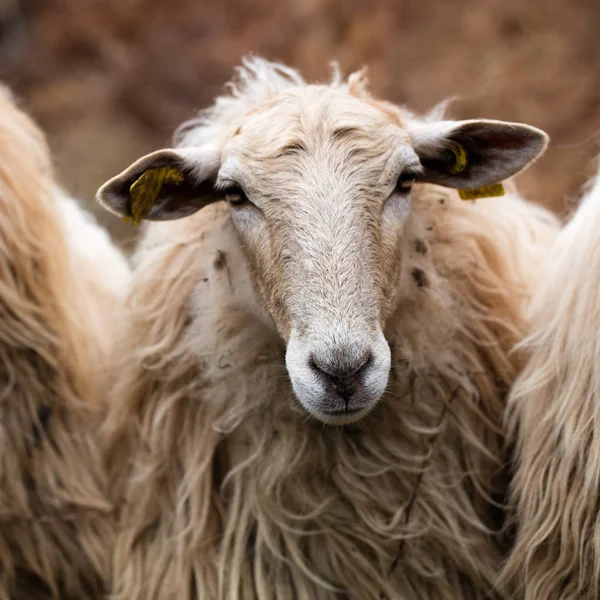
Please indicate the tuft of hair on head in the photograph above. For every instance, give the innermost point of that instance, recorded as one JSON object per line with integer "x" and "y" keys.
{"x": 358, "y": 83}
{"x": 336, "y": 73}
{"x": 440, "y": 111}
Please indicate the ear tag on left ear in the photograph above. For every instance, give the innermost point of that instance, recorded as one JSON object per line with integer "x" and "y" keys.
{"x": 145, "y": 190}
{"x": 460, "y": 158}
{"x": 460, "y": 164}
{"x": 487, "y": 191}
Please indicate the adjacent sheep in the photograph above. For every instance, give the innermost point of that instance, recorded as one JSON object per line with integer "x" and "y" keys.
{"x": 554, "y": 419}
{"x": 311, "y": 382}
{"x": 60, "y": 282}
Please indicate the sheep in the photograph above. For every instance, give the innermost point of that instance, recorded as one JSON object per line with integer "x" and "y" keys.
{"x": 553, "y": 423}
{"x": 61, "y": 283}
{"x": 312, "y": 375}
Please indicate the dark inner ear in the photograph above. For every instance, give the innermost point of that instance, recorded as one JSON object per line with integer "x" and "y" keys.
{"x": 441, "y": 163}
{"x": 174, "y": 201}
{"x": 445, "y": 161}
{"x": 484, "y": 146}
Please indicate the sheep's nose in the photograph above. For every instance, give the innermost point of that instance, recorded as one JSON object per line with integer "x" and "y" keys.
{"x": 344, "y": 375}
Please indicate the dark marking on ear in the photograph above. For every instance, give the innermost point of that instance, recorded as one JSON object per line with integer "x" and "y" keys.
{"x": 238, "y": 131}
{"x": 420, "y": 277}
{"x": 442, "y": 201}
{"x": 220, "y": 261}
{"x": 420, "y": 247}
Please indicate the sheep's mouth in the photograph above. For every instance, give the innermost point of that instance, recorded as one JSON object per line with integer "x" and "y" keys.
{"x": 341, "y": 413}
{"x": 342, "y": 417}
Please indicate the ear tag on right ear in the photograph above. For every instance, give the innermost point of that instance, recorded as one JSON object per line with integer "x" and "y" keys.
{"x": 145, "y": 190}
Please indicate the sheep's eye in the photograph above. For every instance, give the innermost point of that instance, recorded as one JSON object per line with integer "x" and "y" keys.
{"x": 405, "y": 182}
{"x": 236, "y": 196}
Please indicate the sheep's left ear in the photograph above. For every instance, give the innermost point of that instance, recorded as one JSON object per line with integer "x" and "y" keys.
{"x": 477, "y": 153}
{"x": 162, "y": 186}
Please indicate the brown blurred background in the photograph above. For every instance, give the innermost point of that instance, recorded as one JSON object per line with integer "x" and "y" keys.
{"x": 109, "y": 80}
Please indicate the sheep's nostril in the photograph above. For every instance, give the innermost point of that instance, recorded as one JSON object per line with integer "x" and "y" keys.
{"x": 344, "y": 373}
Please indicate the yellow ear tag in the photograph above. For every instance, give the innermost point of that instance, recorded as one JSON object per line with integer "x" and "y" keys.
{"x": 460, "y": 164}
{"x": 145, "y": 190}
{"x": 460, "y": 155}
{"x": 487, "y": 191}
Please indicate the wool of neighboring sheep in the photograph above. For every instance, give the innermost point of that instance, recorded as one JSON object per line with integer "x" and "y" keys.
{"x": 230, "y": 491}
{"x": 554, "y": 424}
{"x": 60, "y": 284}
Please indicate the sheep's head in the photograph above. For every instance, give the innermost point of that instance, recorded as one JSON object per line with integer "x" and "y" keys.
{"x": 318, "y": 183}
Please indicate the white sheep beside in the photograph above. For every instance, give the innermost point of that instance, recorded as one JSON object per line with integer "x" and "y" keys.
{"x": 61, "y": 284}
{"x": 554, "y": 422}
{"x": 311, "y": 384}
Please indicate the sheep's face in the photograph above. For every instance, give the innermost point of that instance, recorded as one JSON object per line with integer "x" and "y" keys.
{"x": 319, "y": 193}
{"x": 319, "y": 188}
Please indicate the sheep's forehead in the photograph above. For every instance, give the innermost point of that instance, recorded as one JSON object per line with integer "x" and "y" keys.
{"x": 320, "y": 131}
{"x": 312, "y": 116}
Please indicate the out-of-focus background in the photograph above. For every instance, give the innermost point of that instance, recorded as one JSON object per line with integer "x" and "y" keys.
{"x": 109, "y": 80}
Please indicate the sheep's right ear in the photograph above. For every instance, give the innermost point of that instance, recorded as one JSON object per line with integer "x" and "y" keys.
{"x": 162, "y": 186}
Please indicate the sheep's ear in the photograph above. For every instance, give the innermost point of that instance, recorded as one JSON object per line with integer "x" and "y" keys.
{"x": 162, "y": 186}
{"x": 473, "y": 154}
